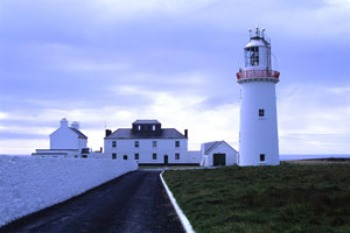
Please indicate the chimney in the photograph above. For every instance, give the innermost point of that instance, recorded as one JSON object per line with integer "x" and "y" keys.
{"x": 75, "y": 125}
{"x": 108, "y": 132}
{"x": 64, "y": 122}
{"x": 186, "y": 133}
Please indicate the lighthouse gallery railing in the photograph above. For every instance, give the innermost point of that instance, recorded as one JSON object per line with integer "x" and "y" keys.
{"x": 258, "y": 74}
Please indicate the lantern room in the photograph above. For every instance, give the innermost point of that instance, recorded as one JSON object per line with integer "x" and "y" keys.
{"x": 257, "y": 52}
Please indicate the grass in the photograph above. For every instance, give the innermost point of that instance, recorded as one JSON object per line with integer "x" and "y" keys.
{"x": 289, "y": 198}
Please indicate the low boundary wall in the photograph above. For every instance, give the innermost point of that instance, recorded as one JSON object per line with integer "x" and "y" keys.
{"x": 29, "y": 184}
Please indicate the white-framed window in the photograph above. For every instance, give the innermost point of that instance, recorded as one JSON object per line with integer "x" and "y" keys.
{"x": 114, "y": 156}
{"x": 136, "y": 156}
{"x": 177, "y": 156}
{"x": 114, "y": 144}
{"x": 154, "y": 144}
{"x": 177, "y": 143}
{"x": 136, "y": 144}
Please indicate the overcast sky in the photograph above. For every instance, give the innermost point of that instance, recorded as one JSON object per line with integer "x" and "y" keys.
{"x": 107, "y": 63}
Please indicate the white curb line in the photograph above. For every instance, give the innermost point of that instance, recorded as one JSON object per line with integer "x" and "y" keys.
{"x": 184, "y": 220}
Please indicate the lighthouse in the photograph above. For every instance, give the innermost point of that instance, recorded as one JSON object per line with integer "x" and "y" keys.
{"x": 258, "y": 136}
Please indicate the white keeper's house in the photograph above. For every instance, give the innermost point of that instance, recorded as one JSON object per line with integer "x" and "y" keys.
{"x": 149, "y": 143}
{"x": 66, "y": 141}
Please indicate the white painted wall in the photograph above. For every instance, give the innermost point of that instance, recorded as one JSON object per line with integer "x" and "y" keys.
{"x": 72, "y": 153}
{"x": 66, "y": 138}
{"x": 222, "y": 148}
{"x": 146, "y": 149}
{"x": 29, "y": 184}
{"x": 258, "y": 135}
{"x": 194, "y": 157}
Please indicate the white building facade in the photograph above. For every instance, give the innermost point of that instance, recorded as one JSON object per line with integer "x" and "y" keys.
{"x": 66, "y": 137}
{"x": 218, "y": 153}
{"x": 258, "y": 136}
{"x": 148, "y": 143}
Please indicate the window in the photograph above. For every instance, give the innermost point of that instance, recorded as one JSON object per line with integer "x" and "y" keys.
{"x": 261, "y": 112}
{"x": 262, "y": 157}
{"x": 252, "y": 56}
{"x": 177, "y": 143}
{"x": 125, "y": 157}
{"x": 154, "y": 143}
{"x": 114, "y": 144}
{"x": 137, "y": 144}
{"x": 114, "y": 156}
{"x": 136, "y": 156}
{"x": 154, "y": 156}
{"x": 177, "y": 156}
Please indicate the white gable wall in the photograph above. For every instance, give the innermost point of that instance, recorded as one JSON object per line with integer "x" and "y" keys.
{"x": 66, "y": 138}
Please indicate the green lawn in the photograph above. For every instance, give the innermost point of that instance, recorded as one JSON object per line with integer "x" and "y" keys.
{"x": 287, "y": 198}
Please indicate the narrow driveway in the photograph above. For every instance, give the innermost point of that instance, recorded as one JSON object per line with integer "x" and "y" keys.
{"x": 133, "y": 203}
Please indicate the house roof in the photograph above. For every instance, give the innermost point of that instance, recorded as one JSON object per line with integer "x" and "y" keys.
{"x": 169, "y": 133}
{"x": 210, "y": 146}
{"x": 80, "y": 134}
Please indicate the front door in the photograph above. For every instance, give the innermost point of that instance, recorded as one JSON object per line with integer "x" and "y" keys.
{"x": 166, "y": 159}
{"x": 219, "y": 159}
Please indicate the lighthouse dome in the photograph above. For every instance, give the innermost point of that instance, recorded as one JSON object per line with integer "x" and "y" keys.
{"x": 256, "y": 43}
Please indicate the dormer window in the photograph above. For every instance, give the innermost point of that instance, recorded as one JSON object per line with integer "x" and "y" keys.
{"x": 144, "y": 127}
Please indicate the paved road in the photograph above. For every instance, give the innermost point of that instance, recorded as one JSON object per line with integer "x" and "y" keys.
{"x": 133, "y": 203}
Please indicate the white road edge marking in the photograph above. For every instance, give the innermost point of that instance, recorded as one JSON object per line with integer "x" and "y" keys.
{"x": 184, "y": 220}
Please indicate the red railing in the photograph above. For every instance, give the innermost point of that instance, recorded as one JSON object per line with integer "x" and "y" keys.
{"x": 258, "y": 74}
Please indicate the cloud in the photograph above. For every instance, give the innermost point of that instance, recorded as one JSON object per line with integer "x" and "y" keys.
{"x": 313, "y": 120}
{"x": 104, "y": 62}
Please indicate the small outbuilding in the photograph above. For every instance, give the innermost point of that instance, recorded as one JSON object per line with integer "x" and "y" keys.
{"x": 218, "y": 153}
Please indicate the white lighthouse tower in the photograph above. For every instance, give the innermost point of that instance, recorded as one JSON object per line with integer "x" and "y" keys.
{"x": 258, "y": 137}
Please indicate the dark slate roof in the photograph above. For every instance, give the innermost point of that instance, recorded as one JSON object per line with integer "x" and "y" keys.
{"x": 80, "y": 134}
{"x": 127, "y": 134}
{"x": 146, "y": 122}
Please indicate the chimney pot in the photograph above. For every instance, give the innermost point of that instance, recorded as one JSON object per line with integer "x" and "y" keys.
{"x": 108, "y": 132}
{"x": 186, "y": 133}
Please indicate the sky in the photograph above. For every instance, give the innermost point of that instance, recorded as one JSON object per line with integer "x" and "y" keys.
{"x": 107, "y": 63}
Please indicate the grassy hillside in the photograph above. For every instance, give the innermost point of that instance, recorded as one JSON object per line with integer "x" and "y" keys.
{"x": 288, "y": 198}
